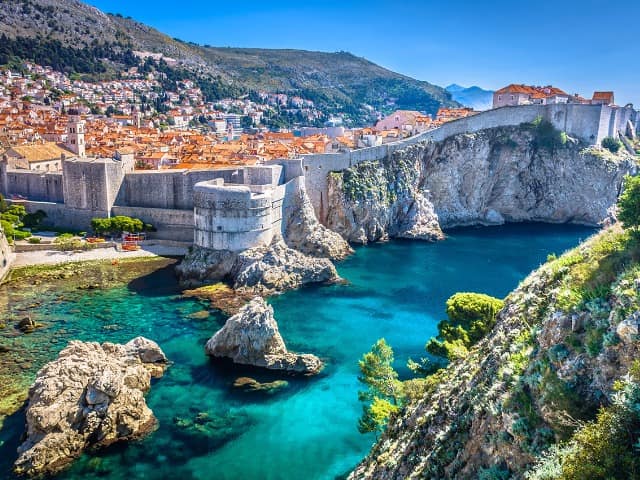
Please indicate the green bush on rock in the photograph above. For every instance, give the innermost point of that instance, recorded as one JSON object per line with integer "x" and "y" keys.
{"x": 629, "y": 203}
{"x": 471, "y": 317}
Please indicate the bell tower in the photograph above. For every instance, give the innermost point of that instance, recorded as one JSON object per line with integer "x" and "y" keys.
{"x": 75, "y": 134}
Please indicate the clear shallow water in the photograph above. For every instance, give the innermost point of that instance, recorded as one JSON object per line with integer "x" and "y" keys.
{"x": 308, "y": 430}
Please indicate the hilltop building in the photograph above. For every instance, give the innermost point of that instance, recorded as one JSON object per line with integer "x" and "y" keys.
{"x": 602, "y": 98}
{"x": 517, "y": 94}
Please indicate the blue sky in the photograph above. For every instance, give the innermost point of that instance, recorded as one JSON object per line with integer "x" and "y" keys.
{"x": 577, "y": 45}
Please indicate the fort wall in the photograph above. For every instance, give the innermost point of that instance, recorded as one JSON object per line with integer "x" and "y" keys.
{"x": 235, "y": 207}
{"x": 6, "y": 256}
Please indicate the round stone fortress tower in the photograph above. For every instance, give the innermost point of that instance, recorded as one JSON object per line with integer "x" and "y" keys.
{"x": 231, "y": 217}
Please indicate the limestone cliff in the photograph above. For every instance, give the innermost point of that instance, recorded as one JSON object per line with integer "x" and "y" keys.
{"x": 498, "y": 175}
{"x": 563, "y": 338}
{"x": 304, "y": 233}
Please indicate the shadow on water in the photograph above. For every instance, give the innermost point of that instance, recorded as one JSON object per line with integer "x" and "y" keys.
{"x": 222, "y": 373}
{"x": 10, "y": 438}
{"x": 160, "y": 282}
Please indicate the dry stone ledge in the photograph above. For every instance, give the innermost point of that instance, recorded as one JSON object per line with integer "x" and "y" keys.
{"x": 91, "y": 396}
{"x": 251, "y": 337}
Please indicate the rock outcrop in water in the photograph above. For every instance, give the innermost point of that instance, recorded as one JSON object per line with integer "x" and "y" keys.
{"x": 559, "y": 346}
{"x": 251, "y": 337}
{"x": 91, "y": 396}
{"x": 260, "y": 270}
{"x": 509, "y": 174}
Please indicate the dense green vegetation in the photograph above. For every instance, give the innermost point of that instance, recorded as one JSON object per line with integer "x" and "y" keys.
{"x": 629, "y": 204}
{"x": 604, "y": 449}
{"x": 118, "y": 224}
{"x": 612, "y": 144}
{"x": 470, "y": 317}
{"x": 13, "y": 218}
{"x": 54, "y": 53}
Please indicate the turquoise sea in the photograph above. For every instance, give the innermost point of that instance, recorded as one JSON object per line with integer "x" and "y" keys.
{"x": 209, "y": 430}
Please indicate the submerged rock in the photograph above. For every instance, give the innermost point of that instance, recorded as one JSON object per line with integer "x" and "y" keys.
{"x": 91, "y": 396}
{"x": 28, "y": 325}
{"x": 251, "y": 337}
{"x": 252, "y": 385}
{"x": 261, "y": 270}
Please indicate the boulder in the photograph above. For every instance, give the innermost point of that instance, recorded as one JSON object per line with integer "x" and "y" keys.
{"x": 91, "y": 396}
{"x": 629, "y": 328}
{"x": 251, "y": 337}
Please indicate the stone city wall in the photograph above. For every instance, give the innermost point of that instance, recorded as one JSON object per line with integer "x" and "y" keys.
{"x": 6, "y": 256}
{"x": 589, "y": 123}
{"x": 88, "y": 188}
{"x": 170, "y": 224}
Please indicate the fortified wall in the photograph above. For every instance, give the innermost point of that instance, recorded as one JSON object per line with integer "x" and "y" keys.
{"x": 6, "y": 256}
{"x": 236, "y": 208}
{"x": 588, "y": 123}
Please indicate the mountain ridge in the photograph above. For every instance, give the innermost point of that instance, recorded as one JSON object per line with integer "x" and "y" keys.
{"x": 338, "y": 82}
{"x": 474, "y": 96}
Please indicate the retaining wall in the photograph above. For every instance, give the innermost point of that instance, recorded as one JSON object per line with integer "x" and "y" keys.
{"x": 175, "y": 225}
{"x": 6, "y": 256}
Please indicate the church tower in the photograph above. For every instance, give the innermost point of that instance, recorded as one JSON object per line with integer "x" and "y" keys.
{"x": 75, "y": 135}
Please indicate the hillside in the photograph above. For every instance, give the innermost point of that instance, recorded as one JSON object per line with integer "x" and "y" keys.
{"x": 336, "y": 82}
{"x": 474, "y": 97}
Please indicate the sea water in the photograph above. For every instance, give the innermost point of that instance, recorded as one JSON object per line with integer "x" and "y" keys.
{"x": 210, "y": 430}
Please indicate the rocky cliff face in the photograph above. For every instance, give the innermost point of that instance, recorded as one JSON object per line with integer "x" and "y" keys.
{"x": 90, "y": 397}
{"x": 251, "y": 337}
{"x": 508, "y": 174}
{"x": 561, "y": 341}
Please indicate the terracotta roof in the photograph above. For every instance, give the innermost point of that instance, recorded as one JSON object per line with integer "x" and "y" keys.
{"x": 40, "y": 152}
{"x": 547, "y": 91}
{"x": 606, "y": 96}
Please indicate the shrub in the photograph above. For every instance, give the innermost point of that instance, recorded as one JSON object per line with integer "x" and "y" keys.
{"x": 471, "y": 317}
{"x": 34, "y": 240}
{"x": 629, "y": 203}
{"x": 33, "y": 220}
{"x": 611, "y": 144}
{"x": 118, "y": 224}
{"x": 546, "y": 135}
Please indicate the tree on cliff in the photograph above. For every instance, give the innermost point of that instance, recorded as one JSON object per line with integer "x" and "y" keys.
{"x": 384, "y": 394}
{"x": 629, "y": 203}
{"x": 471, "y": 317}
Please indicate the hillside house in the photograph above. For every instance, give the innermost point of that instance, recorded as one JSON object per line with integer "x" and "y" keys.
{"x": 516, "y": 94}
